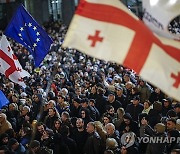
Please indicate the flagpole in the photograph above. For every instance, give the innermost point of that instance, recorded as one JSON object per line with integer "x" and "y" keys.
{"x": 44, "y": 100}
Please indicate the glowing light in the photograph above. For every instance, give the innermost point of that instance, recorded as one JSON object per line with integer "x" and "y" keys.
{"x": 172, "y": 2}
{"x": 153, "y": 2}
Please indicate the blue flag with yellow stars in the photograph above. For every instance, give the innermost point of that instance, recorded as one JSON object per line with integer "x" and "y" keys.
{"x": 26, "y": 31}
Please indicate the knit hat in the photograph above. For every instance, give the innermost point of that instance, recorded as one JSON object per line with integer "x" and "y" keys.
{"x": 160, "y": 127}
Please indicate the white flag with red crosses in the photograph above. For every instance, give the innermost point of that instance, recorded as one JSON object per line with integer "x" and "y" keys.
{"x": 107, "y": 30}
{"x": 9, "y": 64}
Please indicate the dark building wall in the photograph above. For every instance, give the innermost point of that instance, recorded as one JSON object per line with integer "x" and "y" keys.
{"x": 39, "y": 10}
{"x": 68, "y": 8}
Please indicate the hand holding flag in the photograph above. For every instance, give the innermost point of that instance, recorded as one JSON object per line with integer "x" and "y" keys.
{"x": 25, "y": 30}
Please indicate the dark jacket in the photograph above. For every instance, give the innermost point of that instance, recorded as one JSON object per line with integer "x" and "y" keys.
{"x": 134, "y": 111}
{"x": 92, "y": 145}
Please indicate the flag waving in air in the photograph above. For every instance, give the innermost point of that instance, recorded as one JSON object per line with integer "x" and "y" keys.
{"x": 25, "y": 30}
{"x": 9, "y": 64}
{"x": 107, "y": 30}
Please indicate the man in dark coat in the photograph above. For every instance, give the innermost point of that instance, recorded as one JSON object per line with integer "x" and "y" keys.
{"x": 135, "y": 108}
{"x": 92, "y": 145}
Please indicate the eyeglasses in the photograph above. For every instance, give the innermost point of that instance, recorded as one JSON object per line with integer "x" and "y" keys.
{"x": 83, "y": 113}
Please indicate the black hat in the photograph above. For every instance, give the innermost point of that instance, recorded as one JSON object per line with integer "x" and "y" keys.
{"x": 167, "y": 100}
{"x": 136, "y": 98}
{"x": 177, "y": 105}
{"x": 127, "y": 116}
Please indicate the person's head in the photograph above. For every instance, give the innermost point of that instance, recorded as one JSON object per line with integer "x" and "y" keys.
{"x": 84, "y": 102}
{"x": 47, "y": 133}
{"x": 142, "y": 82}
{"x": 3, "y": 117}
{"x": 136, "y": 100}
{"x": 13, "y": 144}
{"x": 4, "y": 138}
{"x": 107, "y": 119}
{"x": 129, "y": 85}
{"x": 166, "y": 103}
{"x": 80, "y": 123}
{"x": 126, "y": 78}
{"x": 110, "y": 110}
{"x": 26, "y": 131}
{"x": 60, "y": 98}
{"x": 120, "y": 112}
{"x": 93, "y": 89}
{"x": 147, "y": 104}
{"x": 134, "y": 90}
{"x": 108, "y": 152}
{"x": 159, "y": 128}
{"x": 37, "y": 97}
{"x": 57, "y": 123}
{"x": 34, "y": 146}
{"x": 76, "y": 102}
{"x": 127, "y": 118}
{"x": 171, "y": 124}
{"x": 111, "y": 97}
{"x": 51, "y": 104}
{"x": 25, "y": 110}
{"x": 119, "y": 91}
{"x": 41, "y": 127}
{"x": 110, "y": 129}
{"x": 177, "y": 108}
{"x": 83, "y": 113}
{"x": 65, "y": 130}
{"x": 92, "y": 102}
{"x": 65, "y": 116}
{"x": 111, "y": 143}
{"x": 90, "y": 127}
{"x": 52, "y": 112}
{"x": 78, "y": 91}
{"x": 13, "y": 106}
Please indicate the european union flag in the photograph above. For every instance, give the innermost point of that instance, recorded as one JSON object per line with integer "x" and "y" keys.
{"x": 25, "y": 30}
{"x": 3, "y": 99}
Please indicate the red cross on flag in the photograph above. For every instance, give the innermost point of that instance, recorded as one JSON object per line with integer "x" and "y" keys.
{"x": 9, "y": 64}
{"x": 107, "y": 30}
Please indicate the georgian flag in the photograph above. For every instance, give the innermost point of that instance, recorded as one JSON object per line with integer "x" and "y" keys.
{"x": 107, "y": 30}
{"x": 9, "y": 64}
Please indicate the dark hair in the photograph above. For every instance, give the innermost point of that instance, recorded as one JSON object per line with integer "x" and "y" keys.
{"x": 64, "y": 130}
{"x": 92, "y": 100}
{"x": 172, "y": 120}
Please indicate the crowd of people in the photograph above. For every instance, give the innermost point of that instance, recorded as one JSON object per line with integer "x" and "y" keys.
{"x": 89, "y": 106}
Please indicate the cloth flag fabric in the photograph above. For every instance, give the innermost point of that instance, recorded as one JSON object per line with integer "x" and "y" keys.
{"x": 108, "y": 30}
{"x": 25, "y": 30}
{"x": 3, "y": 100}
{"x": 9, "y": 64}
{"x": 160, "y": 16}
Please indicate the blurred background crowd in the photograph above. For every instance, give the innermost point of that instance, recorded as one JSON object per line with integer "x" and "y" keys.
{"x": 89, "y": 106}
